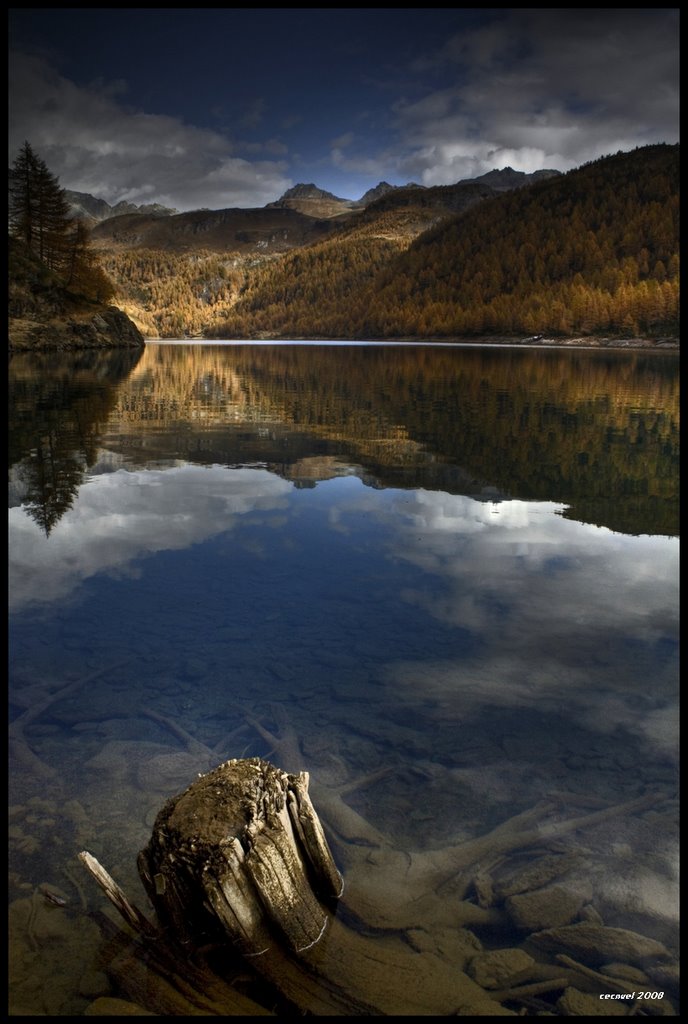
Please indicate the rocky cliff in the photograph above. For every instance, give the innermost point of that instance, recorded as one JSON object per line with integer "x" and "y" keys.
{"x": 44, "y": 315}
{"x": 107, "y": 328}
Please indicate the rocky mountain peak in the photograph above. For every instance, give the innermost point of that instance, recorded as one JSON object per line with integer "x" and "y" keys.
{"x": 507, "y": 178}
{"x": 309, "y": 191}
{"x": 94, "y": 210}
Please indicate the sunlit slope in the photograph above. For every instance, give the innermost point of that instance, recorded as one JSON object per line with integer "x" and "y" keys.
{"x": 591, "y": 251}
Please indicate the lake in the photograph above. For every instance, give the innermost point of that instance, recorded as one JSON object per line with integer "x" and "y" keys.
{"x": 442, "y": 579}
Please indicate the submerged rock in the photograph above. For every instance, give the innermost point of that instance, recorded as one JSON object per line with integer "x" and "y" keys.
{"x": 625, "y": 972}
{"x": 574, "y": 1003}
{"x": 494, "y": 969}
{"x": 109, "y": 1007}
{"x": 538, "y": 873}
{"x": 550, "y": 907}
{"x": 595, "y": 944}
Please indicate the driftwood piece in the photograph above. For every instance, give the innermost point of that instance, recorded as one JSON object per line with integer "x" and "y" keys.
{"x": 159, "y": 985}
{"x": 392, "y": 889}
{"x": 153, "y": 971}
{"x": 131, "y": 914}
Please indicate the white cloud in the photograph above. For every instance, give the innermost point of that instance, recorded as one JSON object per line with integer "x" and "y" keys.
{"x": 542, "y": 88}
{"x": 376, "y": 167}
{"x": 543, "y": 597}
{"x": 528, "y": 88}
{"x": 95, "y": 144}
{"x": 123, "y": 516}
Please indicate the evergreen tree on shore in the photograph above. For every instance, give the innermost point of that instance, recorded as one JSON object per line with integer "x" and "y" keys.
{"x": 39, "y": 217}
{"x": 39, "y": 211}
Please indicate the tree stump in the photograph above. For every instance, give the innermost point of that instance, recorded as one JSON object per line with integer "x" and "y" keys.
{"x": 243, "y": 849}
{"x": 239, "y": 862}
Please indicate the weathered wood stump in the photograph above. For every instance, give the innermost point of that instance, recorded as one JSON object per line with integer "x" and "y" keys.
{"x": 242, "y": 846}
{"x": 238, "y": 868}
{"x": 239, "y": 860}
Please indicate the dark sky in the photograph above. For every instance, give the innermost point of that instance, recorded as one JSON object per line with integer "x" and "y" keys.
{"x": 225, "y": 108}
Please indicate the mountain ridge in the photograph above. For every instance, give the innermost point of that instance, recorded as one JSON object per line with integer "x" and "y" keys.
{"x": 590, "y": 251}
{"x": 94, "y": 210}
{"x": 507, "y": 178}
{"x": 305, "y": 214}
{"x": 306, "y": 198}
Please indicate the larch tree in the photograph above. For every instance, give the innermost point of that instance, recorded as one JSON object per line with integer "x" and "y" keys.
{"x": 39, "y": 216}
{"x": 38, "y": 209}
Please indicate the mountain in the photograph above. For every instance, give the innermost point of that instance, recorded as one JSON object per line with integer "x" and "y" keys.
{"x": 381, "y": 190}
{"x": 592, "y": 251}
{"x": 94, "y": 210}
{"x": 508, "y": 178}
{"x": 283, "y": 225}
{"x": 243, "y": 229}
{"x": 307, "y": 199}
{"x": 312, "y": 201}
{"x": 316, "y": 202}
{"x": 448, "y": 198}
{"x": 311, "y": 191}
{"x": 271, "y": 229}
{"x": 87, "y": 207}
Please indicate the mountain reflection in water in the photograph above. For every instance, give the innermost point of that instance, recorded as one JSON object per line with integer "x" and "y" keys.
{"x": 456, "y": 564}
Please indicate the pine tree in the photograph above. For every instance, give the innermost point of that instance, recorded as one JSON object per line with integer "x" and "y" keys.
{"x": 22, "y": 202}
{"x": 38, "y": 209}
{"x": 39, "y": 216}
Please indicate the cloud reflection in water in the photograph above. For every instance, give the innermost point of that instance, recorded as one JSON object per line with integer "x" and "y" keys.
{"x": 547, "y": 597}
{"x": 122, "y": 516}
{"x": 567, "y": 617}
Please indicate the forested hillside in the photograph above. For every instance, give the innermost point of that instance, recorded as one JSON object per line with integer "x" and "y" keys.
{"x": 174, "y": 295}
{"x": 595, "y": 250}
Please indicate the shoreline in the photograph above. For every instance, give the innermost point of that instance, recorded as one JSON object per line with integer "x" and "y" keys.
{"x": 594, "y": 341}
{"x": 538, "y": 341}
{"x": 27, "y": 336}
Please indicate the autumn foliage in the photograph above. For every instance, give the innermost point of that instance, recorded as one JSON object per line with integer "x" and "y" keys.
{"x": 39, "y": 219}
{"x": 595, "y": 250}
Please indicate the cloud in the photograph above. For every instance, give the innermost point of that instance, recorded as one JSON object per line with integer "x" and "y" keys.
{"x": 542, "y": 599}
{"x": 541, "y": 88}
{"x": 343, "y": 141}
{"x": 271, "y": 147}
{"x": 375, "y": 167}
{"x": 529, "y": 88}
{"x": 121, "y": 517}
{"x": 95, "y": 144}
{"x": 550, "y": 576}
